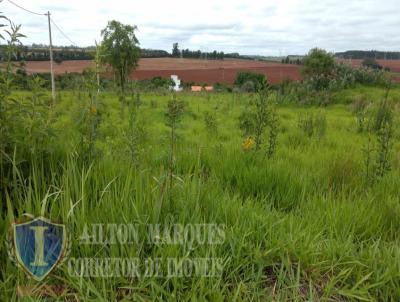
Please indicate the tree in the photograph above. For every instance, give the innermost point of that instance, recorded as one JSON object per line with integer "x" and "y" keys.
{"x": 371, "y": 63}
{"x": 319, "y": 68}
{"x": 120, "y": 50}
{"x": 251, "y": 81}
{"x": 318, "y": 62}
{"x": 175, "y": 50}
{"x": 287, "y": 60}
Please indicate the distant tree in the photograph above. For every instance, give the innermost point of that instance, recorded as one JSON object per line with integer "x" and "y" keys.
{"x": 119, "y": 49}
{"x": 175, "y": 50}
{"x": 319, "y": 68}
{"x": 318, "y": 62}
{"x": 160, "y": 82}
{"x": 287, "y": 60}
{"x": 251, "y": 81}
{"x": 371, "y": 63}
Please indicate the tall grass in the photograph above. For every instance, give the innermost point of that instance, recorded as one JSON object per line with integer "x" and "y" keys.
{"x": 302, "y": 226}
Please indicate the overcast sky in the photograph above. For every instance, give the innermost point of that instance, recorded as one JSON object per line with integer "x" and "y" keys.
{"x": 248, "y": 27}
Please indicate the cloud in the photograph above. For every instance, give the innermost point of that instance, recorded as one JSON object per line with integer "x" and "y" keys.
{"x": 256, "y": 27}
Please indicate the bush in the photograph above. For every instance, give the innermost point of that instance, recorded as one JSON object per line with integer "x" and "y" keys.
{"x": 248, "y": 80}
{"x": 371, "y": 63}
{"x": 248, "y": 86}
{"x": 221, "y": 87}
{"x": 319, "y": 67}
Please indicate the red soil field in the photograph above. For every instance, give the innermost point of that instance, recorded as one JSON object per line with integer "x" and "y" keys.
{"x": 188, "y": 70}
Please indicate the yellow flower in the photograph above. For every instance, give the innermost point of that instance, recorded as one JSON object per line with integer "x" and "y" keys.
{"x": 248, "y": 144}
{"x": 93, "y": 109}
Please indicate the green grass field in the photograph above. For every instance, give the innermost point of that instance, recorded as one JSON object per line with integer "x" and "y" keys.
{"x": 303, "y": 225}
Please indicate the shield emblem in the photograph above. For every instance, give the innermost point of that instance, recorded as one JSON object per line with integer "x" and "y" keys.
{"x": 39, "y": 246}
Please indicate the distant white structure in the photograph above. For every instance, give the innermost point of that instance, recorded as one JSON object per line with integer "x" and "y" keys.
{"x": 177, "y": 82}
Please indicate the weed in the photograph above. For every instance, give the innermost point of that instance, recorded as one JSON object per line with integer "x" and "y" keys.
{"x": 273, "y": 123}
{"x": 313, "y": 124}
{"x": 211, "y": 123}
{"x": 359, "y": 109}
{"x": 173, "y": 116}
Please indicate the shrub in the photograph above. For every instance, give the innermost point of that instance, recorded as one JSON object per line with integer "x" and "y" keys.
{"x": 211, "y": 123}
{"x": 257, "y": 80}
{"x": 377, "y": 156}
{"x": 318, "y": 67}
{"x": 359, "y": 109}
{"x": 254, "y": 121}
{"x": 248, "y": 86}
{"x": 371, "y": 63}
{"x": 221, "y": 87}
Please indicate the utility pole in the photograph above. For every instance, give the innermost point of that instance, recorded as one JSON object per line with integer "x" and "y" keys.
{"x": 97, "y": 59}
{"x": 53, "y": 86}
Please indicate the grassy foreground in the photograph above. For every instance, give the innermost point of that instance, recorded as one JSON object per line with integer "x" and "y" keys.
{"x": 303, "y": 225}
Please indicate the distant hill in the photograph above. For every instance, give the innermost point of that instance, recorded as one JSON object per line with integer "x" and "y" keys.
{"x": 372, "y": 54}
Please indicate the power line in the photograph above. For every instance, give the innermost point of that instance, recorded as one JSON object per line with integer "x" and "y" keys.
{"x": 27, "y": 10}
{"x": 65, "y": 36}
{"x": 32, "y": 12}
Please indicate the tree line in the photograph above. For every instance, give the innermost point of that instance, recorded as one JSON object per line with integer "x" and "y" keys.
{"x": 369, "y": 54}
{"x": 196, "y": 54}
{"x": 39, "y": 52}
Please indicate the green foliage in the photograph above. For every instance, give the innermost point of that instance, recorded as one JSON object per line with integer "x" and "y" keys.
{"x": 175, "y": 50}
{"x": 383, "y": 115}
{"x": 383, "y": 126}
{"x": 304, "y": 226}
{"x": 346, "y": 76}
{"x": 119, "y": 49}
{"x": 313, "y": 124}
{"x": 318, "y": 68}
{"x": 378, "y": 150}
{"x": 211, "y": 122}
{"x": 9, "y": 109}
{"x": 261, "y": 116}
{"x": 89, "y": 119}
{"x": 246, "y": 122}
{"x": 251, "y": 81}
{"x": 371, "y": 63}
{"x": 174, "y": 112}
{"x": 311, "y": 194}
{"x": 360, "y": 108}
{"x": 160, "y": 82}
{"x": 385, "y": 145}
{"x": 273, "y": 123}
{"x": 306, "y": 123}
{"x": 318, "y": 62}
{"x": 257, "y": 117}
{"x": 173, "y": 116}
{"x": 196, "y": 54}
{"x": 37, "y": 119}
{"x": 221, "y": 87}
{"x": 136, "y": 132}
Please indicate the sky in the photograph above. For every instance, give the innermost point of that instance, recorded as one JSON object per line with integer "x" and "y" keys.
{"x": 256, "y": 27}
